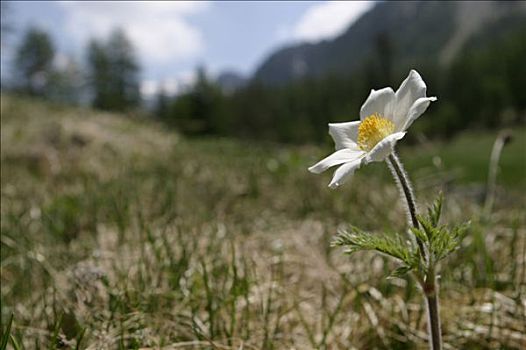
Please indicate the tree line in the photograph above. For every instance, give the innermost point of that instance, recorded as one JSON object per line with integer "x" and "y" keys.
{"x": 108, "y": 77}
{"x": 482, "y": 88}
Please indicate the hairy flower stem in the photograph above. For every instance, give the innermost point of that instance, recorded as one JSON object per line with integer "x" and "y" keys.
{"x": 433, "y": 313}
{"x": 402, "y": 180}
{"x": 429, "y": 285}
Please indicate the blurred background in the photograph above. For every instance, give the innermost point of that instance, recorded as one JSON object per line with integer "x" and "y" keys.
{"x": 269, "y": 71}
{"x": 154, "y": 183}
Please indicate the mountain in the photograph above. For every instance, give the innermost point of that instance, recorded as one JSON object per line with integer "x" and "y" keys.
{"x": 230, "y": 81}
{"x": 397, "y": 34}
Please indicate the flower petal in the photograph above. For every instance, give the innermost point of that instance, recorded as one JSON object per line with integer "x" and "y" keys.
{"x": 344, "y": 172}
{"x": 384, "y": 148}
{"x": 411, "y": 89}
{"x": 416, "y": 111}
{"x": 338, "y": 157}
{"x": 344, "y": 134}
{"x": 379, "y": 101}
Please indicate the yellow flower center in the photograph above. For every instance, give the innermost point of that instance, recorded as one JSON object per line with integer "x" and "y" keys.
{"x": 372, "y": 130}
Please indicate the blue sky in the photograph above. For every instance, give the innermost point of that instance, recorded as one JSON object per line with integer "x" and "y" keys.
{"x": 172, "y": 38}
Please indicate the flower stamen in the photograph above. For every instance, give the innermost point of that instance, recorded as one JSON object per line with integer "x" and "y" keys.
{"x": 372, "y": 130}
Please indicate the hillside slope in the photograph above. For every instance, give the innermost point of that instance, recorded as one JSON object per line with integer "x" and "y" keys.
{"x": 397, "y": 34}
{"x": 117, "y": 233}
{"x": 51, "y": 139}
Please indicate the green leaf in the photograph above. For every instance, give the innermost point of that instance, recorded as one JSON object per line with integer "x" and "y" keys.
{"x": 428, "y": 227}
{"x": 400, "y": 272}
{"x": 419, "y": 234}
{"x": 358, "y": 240}
{"x": 435, "y": 211}
{"x": 440, "y": 239}
{"x": 448, "y": 240}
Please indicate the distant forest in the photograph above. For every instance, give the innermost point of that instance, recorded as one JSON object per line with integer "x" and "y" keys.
{"x": 482, "y": 87}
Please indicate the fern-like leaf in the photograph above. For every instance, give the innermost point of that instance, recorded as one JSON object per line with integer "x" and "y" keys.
{"x": 358, "y": 240}
{"x": 400, "y": 272}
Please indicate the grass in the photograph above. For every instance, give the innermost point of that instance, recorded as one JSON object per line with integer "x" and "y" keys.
{"x": 467, "y": 156}
{"x": 119, "y": 234}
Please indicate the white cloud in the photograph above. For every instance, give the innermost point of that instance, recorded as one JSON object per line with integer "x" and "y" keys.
{"x": 327, "y": 20}
{"x": 149, "y": 88}
{"x": 159, "y": 30}
{"x": 171, "y": 86}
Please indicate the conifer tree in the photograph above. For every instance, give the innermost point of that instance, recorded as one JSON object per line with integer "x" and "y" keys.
{"x": 124, "y": 71}
{"x": 34, "y": 62}
{"x": 113, "y": 73}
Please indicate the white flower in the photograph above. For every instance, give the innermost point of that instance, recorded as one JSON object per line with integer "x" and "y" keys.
{"x": 384, "y": 118}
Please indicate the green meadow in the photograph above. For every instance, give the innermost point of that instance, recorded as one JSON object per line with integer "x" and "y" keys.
{"x": 117, "y": 233}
